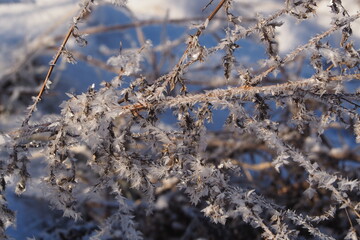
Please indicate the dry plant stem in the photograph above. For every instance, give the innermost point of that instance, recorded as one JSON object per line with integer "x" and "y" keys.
{"x": 264, "y": 22}
{"x": 255, "y": 167}
{"x": 290, "y": 57}
{"x": 216, "y": 95}
{"x": 212, "y": 15}
{"x": 59, "y": 52}
{"x": 125, "y": 140}
{"x": 207, "y": 5}
{"x": 199, "y": 31}
{"x": 51, "y": 68}
{"x": 219, "y": 94}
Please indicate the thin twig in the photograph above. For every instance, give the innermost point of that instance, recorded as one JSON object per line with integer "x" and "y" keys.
{"x": 215, "y": 95}
{"x": 207, "y": 5}
{"x": 199, "y": 31}
{"x": 290, "y": 57}
{"x": 248, "y": 90}
{"x": 52, "y": 65}
{"x": 177, "y": 67}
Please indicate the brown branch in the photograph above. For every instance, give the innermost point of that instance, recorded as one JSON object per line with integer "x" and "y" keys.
{"x": 217, "y": 94}
{"x": 255, "y": 167}
{"x": 52, "y": 65}
{"x": 291, "y": 56}
{"x": 199, "y": 31}
{"x": 212, "y": 15}
{"x": 177, "y": 67}
{"x": 248, "y": 90}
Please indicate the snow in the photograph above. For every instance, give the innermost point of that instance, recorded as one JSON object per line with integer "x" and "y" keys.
{"x": 26, "y": 21}
{"x": 145, "y": 9}
{"x": 24, "y": 24}
{"x": 3, "y": 139}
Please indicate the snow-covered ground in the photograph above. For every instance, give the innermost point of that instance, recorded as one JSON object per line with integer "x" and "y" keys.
{"x": 26, "y": 26}
{"x": 24, "y": 21}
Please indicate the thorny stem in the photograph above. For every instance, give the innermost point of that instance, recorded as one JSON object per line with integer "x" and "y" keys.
{"x": 218, "y": 94}
{"x": 197, "y": 34}
{"x": 300, "y": 49}
{"x": 52, "y": 65}
{"x": 248, "y": 90}
{"x": 135, "y": 107}
{"x": 199, "y": 31}
{"x": 62, "y": 46}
